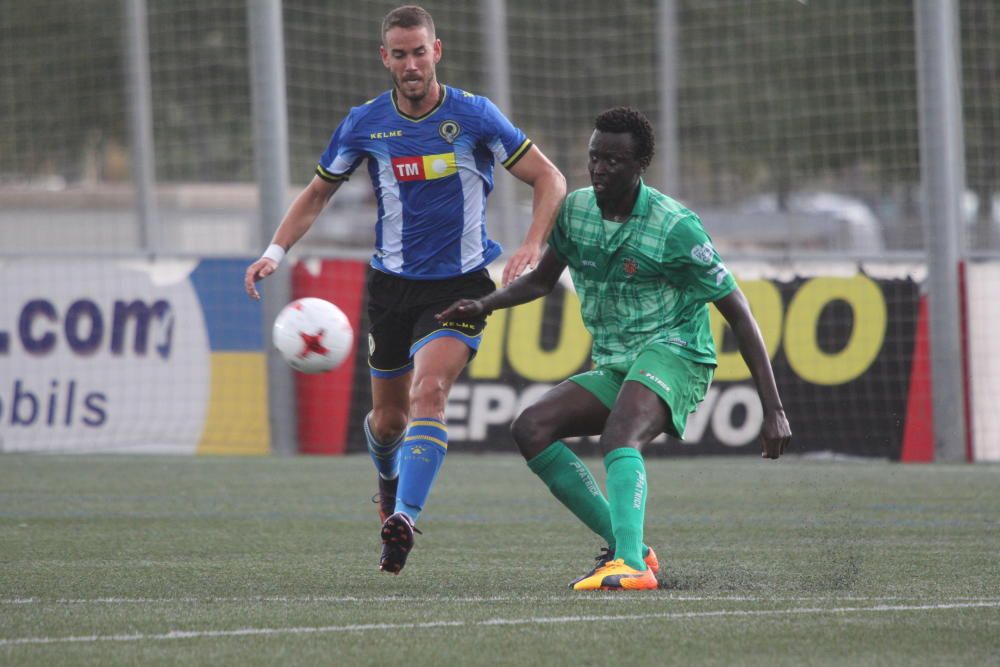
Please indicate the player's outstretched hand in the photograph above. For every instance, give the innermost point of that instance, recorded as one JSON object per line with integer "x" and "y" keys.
{"x": 262, "y": 268}
{"x": 463, "y": 309}
{"x": 524, "y": 259}
{"x": 774, "y": 434}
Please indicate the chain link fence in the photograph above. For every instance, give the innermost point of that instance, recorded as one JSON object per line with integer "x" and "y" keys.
{"x": 797, "y": 124}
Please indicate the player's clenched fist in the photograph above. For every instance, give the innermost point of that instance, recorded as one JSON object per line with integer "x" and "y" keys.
{"x": 262, "y": 268}
{"x": 775, "y": 433}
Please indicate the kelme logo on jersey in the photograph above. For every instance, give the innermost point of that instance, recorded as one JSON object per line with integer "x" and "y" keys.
{"x": 424, "y": 167}
{"x": 457, "y": 324}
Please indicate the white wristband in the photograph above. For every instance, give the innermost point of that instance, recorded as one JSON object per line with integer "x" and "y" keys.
{"x": 275, "y": 252}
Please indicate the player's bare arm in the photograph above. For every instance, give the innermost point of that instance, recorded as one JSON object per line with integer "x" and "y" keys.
{"x": 528, "y": 287}
{"x": 549, "y": 190}
{"x": 775, "y": 431}
{"x": 298, "y": 219}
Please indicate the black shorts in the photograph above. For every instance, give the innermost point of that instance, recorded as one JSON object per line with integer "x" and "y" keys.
{"x": 401, "y": 315}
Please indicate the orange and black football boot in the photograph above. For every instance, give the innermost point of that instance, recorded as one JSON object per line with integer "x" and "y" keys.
{"x": 615, "y": 575}
{"x": 397, "y": 541}
{"x": 607, "y": 555}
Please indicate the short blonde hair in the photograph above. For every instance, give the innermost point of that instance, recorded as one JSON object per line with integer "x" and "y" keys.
{"x": 408, "y": 16}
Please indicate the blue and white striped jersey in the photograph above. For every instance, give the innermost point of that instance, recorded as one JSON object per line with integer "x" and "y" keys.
{"x": 431, "y": 176}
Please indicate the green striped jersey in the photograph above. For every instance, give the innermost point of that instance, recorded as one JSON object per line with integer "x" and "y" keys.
{"x": 648, "y": 280}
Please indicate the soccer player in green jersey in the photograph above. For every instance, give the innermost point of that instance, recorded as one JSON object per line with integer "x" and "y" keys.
{"x": 644, "y": 269}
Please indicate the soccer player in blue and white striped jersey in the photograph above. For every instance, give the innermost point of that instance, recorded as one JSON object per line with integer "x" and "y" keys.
{"x": 430, "y": 151}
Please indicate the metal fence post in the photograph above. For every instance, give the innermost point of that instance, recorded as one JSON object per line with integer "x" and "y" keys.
{"x": 493, "y": 25}
{"x": 140, "y": 105}
{"x": 942, "y": 165}
{"x": 270, "y": 122}
{"x": 667, "y": 144}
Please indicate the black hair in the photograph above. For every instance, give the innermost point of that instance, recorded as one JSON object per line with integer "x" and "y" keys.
{"x": 408, "y": 16}
{"x": 631, "y": 121}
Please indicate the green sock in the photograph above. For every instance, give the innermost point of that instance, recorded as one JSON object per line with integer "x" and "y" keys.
{"x": 569, "y": 480}
{"x": 627, "y": 500}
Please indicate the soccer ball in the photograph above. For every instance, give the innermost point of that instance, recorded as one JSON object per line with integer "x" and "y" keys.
{"x": 313, "y": 335}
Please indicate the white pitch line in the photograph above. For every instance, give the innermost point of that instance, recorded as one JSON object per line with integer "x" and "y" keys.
{"x": 543, "y": 620}
{"x": 575, "y": 597}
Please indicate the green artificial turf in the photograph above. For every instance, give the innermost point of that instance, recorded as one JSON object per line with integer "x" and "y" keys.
{"x": 262, "y": 561}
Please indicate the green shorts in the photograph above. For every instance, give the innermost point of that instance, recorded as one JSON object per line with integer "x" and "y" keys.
{"x": 680, "y": 383}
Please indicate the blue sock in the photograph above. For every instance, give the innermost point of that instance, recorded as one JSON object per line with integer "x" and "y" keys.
{"x": 421, "y": 456}
{"x": 385, "y": 457}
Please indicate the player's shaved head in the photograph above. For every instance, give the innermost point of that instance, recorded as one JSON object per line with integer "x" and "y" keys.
{"x": 626, "y": 120}
{"x": 408, "y": 16}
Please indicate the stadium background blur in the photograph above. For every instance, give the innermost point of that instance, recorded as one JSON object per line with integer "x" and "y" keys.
{"x": 795, "y": 133}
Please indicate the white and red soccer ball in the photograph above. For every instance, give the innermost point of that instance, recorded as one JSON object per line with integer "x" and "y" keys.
{"x": 313, "y": 335}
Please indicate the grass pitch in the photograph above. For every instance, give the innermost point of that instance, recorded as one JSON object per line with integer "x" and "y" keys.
{"x": 263, "y": 561}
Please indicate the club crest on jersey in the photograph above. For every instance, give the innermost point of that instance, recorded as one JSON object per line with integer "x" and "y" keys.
{"x": 449, "y": 130}
{"x": 630, "y": 266}
{"x": 424, "y": 167}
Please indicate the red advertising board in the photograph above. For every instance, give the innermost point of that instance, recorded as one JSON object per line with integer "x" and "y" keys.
{"x": 324, "y": 401}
